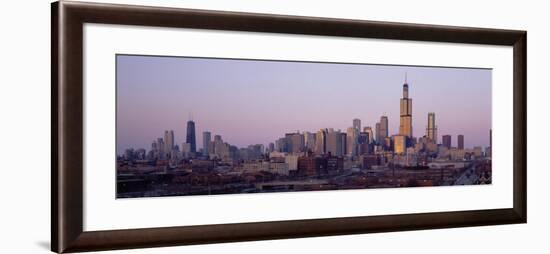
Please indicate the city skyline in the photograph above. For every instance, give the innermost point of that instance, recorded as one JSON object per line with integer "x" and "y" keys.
{"x": 462, "y": 112}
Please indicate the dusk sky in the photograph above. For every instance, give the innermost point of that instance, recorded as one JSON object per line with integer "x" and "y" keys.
{"x": 256, "y": 102}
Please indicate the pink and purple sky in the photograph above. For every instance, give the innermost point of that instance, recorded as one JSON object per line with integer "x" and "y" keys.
{"x": 256, "y": 102}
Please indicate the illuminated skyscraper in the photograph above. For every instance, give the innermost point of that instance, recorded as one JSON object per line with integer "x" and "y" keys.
{"x": 405, "y": 120}
{"x": 190, "y": 138}
{"x": 368, "y": 130}
{"x": 399, "y": 144}
{"x": 460, "y": 141}
{"x": 431, "y": 130}
{"x": 309, "y": 140}
{"x": 357, "y": 124}
{"x": 321, "y": 142}
{"x": 206, "y": 139}
{"x": 168, "y": 142}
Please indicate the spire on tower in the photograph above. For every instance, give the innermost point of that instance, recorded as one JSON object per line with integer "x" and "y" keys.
{"x": 405, "y": 88}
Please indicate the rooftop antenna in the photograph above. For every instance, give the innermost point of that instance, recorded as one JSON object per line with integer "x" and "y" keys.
{"x": 405, "y": 77}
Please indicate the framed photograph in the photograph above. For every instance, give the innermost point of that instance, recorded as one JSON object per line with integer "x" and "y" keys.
{"x": 179, "y": 126}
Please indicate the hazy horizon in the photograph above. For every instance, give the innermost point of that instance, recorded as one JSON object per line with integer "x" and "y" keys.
{"x": 256, "y": 102}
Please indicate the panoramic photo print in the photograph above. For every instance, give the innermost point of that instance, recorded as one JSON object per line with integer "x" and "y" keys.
{"x": 206, "y": 126}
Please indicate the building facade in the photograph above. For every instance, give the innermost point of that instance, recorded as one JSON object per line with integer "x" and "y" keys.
{"x": 168, "y": 142}
{"x": 206, "y": 139}
{"x": 357, "y": 124}
{"x": 321, "y": 142}
{"x": 405, "y": 120}
{"x": 352, "y": 141}
{"x": 334, "y": 143}
{"x": 384, "y": 133}
{"x": 190, "y": 137}
{"x": 431, "y": 130}
{"x": 460, "y": 140}
{"x": 368, "y": 130}
{"x": 447, "y": 141}
{"x": 399, "y": 144}
{"x": 309, "y": 140}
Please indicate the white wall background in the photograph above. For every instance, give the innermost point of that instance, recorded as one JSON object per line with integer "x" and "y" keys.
{"x": 25, "y": 125}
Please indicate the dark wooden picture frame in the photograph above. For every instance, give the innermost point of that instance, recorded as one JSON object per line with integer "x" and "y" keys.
{"x": 68, "y": 18}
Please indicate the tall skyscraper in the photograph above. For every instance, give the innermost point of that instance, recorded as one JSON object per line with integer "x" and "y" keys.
{"x": 154, "y": 149}
{"x": 220, "y": 148}
{"x": 368, "y": 130}
{"x": 295, "y": 141}
{"x": 334, "y": 143}
{"x": 190, "y": 138}
{"x": 363, "y": 141}
{"x": 206, "y": 139}
{"x": 154, "y": 146}
{"x": 352, "y": 143}
{"x": 160, "y": 146}
{"x": 377, "y": 131}
{"x": 405, "y": 120}
{"x": 168, "y": 142}
{"x": 343, "y": 143}
{"x": 309, "y": 140}
{"x": 431, "y": 130}
{"x": 357, "y": 124}
{"x": 282, "y": 145}
{"x": 383, "y": 129}
{"x": 321, "y": 142}
{"x": 460, "y": 141}
{"x": 447, "y": 141}
{"x": 399, "y": 144}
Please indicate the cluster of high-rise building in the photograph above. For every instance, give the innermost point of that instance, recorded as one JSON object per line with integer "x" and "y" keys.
{"x": 357, "y": 157}
{"x": 356, "y": 141}
{"x": 166, "y": 149}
